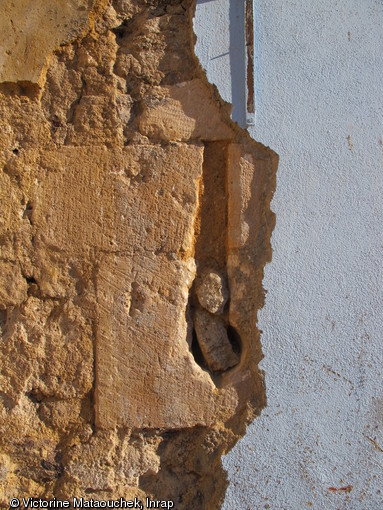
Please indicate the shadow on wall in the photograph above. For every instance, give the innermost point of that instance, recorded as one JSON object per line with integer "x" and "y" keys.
{"x": 237, "y": 54}
{"x": 237, "y": 61}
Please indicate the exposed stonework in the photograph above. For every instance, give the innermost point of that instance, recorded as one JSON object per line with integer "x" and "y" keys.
{"x": 30, "y": 32}
{"x": 128, "y": 368}
{"x": 214, "y": 342}
{"x": 212, "y": 292}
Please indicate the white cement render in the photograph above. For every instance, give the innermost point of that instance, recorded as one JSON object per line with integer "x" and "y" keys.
{"x": 319, "y": 96}
{"x": 221, "y": 45}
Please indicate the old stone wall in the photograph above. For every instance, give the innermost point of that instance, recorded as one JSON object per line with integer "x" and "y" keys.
{"x": 134, "y": 228}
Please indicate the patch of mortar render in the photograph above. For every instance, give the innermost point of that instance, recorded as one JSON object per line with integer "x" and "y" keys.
{"x": 125, "y": 186}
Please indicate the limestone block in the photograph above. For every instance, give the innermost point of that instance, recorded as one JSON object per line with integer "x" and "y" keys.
{"x": 241, "y": 172}
{"x": 146, "y": 375}
{"x": 36, "y": 29}
{"x": 250, "y": 222}
{"x": 121, "y": 200}
{"x": 174, "y": 113}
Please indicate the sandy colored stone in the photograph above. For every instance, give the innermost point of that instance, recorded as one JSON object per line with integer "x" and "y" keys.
{"x": 13, "y": 287}
{"x": 212, "y": 292}
{"x": 30, "y": 31}
{"x": 241, "y": 182}
{"x": 175, "y": 113}
{"x": 166, "y": 388}
{"x": 142, "y": 298}
{"x": 214, "y": 342}
{"x": 250, "y": 222}
{"x": 121, "y": 200}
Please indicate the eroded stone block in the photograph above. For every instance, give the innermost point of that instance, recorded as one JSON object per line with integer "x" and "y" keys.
{"x": 172, "y": 113}
{"x": 146, "y": 375}
{"x": 30, "y": 31}
{"x": 214, "y": 342}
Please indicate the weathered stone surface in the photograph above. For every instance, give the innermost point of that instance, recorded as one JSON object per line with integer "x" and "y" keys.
{"x": 31, "y": 31}
{"x": 249, "y": 229}
{"x": 173, "y": 113}
{"x": 122, "y": 182}
{"x": 214, "y": 342}
{"x": 212, "y": 292}
{"x": 141, "y": 339}
{"x": 241, "y": 184}
{"x": 143, "y": 296}
{"x": 121, "y": 200}
{"x": 13, "y": 287}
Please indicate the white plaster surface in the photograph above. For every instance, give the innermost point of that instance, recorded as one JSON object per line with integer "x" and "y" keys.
{"x": 319, "y": 104}
{"x": 221, "y": 48}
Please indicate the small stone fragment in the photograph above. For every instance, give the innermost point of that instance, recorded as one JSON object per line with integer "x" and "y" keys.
{"x": 214, "y": 342}
{"x": 212, "y": 292}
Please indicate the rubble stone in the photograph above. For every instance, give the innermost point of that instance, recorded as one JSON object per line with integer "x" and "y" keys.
{"x": 212, "y": 292}
{"x": 214, "y": 343}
